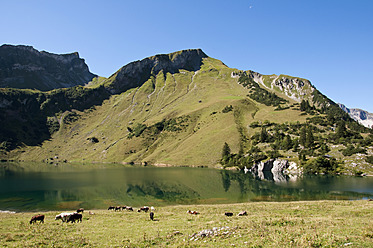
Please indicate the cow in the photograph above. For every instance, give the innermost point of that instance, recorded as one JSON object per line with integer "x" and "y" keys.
{"x": 151, "y": 215}
{"x": 80, "y": 210}
{"x": 118, "y": 208}
{"x": 111, "y": 208}
{"x": 192, "y": 212}
{"x": 39, "y": 217}
{"x": 228, "y": 214}
{"x": 63, "y": 216}
{"x": 75, "y": 216}
{"x": 243, "y": 213}
{"x": 128, "y": 208}
{"x": 144, "y": 208}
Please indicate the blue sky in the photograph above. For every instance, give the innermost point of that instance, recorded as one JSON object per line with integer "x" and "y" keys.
{"x": 326, "y": 41}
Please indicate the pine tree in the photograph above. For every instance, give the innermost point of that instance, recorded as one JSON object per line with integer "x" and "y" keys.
{"x": 341, "y": 129}
{"x": 263, "y": 135}
{"x": 309, "y": 138}
{"x": 226, "y": 153}
{"x": 302, "y": 136}
{"x": 287, "y": 143}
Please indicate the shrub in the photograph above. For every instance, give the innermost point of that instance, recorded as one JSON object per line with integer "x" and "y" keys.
{"x": 321, "y": 165}
{"x": 351, "y": 150}
{"x": 227, "y": 109}
{"x": 369, "y": 159}
{"x": 137, "y": 130}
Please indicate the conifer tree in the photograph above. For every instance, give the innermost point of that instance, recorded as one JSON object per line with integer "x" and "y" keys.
{"x": 309, "y": 138}
{"x": 302, "y": 136}
{"x": 225, "y": 153}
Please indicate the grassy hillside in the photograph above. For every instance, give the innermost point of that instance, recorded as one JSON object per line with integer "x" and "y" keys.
{"x": 146, "y": 113}
{"x": 274, "y": 224}
{"x": 193, "y": 100}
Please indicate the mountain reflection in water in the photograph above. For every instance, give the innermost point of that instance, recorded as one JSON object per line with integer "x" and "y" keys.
{"x": 26, "y": 187}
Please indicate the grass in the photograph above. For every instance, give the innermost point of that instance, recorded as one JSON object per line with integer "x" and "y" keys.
{"x": 273, "y": 224}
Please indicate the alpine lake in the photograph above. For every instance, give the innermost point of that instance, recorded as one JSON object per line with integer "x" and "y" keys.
{"x": 41, "y": 186}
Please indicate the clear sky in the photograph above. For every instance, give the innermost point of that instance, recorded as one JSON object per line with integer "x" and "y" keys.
{"x": 328, "y": 42}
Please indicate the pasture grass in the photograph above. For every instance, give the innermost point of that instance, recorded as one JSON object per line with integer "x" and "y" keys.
{"x": 269, "y": 224}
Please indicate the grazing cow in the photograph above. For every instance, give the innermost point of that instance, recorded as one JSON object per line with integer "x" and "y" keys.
{"x": 242, "y": 213}
{"x": 75, "y": 216}
{"x": 228, "y": 214}
{"x": 80, "y": 210}
{"x": 39, "y": 217}
{"x": 111, "y": 208}
{"x": 128, "y": 208}
{"x": 63, "y": 216}
{"x": 144, "y": 208}
{"x": 192, "y": 212}
{"x": 151, "y": 215}
{"x": 118, "y": 208}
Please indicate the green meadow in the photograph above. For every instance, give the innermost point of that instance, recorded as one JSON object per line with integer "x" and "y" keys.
{"x": 269, "y": 224}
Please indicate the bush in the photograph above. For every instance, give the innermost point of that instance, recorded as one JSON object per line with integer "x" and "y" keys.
{"x": 137, "y": 130}
{"x": 321, "y": 165}
{"x": 227, "y": 109}
{"x": 351, "y": 150}
{"x": 369, "y": 159}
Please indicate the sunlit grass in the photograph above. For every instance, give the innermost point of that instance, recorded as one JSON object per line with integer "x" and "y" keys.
{"x": 290, "y": 224}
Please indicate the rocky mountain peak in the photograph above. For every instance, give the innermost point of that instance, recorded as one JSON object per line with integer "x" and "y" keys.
{"x": 25, "y": 67}
{"x": 363, "y": 117}
{"x": 136, "y": 73}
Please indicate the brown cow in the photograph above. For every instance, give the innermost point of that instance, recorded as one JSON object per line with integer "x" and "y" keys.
{"x": 228, "y": 214}
{"x": 118, "y": 208}
{"x": 80, "y": 210}
{"x": 144, "y": 208}
{"x": 75, "y": 216}
{"x": 192, "y": 212}
{"x": 111, "y": 208}
{"x": 39, "y": 217}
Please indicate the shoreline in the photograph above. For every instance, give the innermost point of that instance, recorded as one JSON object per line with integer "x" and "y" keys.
{"x": 196, "y": 205}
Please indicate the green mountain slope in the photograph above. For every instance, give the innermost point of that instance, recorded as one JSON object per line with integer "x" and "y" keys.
{"x": 180, "y": 109}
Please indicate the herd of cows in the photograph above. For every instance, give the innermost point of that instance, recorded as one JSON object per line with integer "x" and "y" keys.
{"x": 78, "y": 214}
{"x": 65, "y": 217}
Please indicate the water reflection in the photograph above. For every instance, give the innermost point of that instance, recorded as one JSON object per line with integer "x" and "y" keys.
{"x": 40, "y": 186}
{"x": 268, "y": 186}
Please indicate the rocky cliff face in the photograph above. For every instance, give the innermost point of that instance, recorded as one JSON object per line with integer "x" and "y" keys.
{"x": 26, "y": 68}
{"x": 363, "y": 117}
{"x": 293, "y": 87}
{"x": 136, "y": 73}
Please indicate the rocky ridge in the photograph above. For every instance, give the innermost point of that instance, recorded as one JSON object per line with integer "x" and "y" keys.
{"x": 136, "y": 73}
{"x": 363, "y": 117}
{"x": 26, "y": 68}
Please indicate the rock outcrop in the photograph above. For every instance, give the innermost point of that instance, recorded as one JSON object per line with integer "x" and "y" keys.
{"x": 24, "y": 67}
{"x": 363, "y": 117}
{"x": 136, "y": 73}
{"x": 273, "y": 165}
{"x": 272, "y": 170}
{"x": 295, "y": 88}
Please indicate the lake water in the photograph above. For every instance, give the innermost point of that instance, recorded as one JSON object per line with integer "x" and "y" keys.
{"x": 39, "y": 186}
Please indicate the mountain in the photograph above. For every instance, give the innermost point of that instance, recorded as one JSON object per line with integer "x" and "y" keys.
{"x": 24, "y": 67}
{"x": 363, "y": 117}
{"x": 182, "y": 109}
